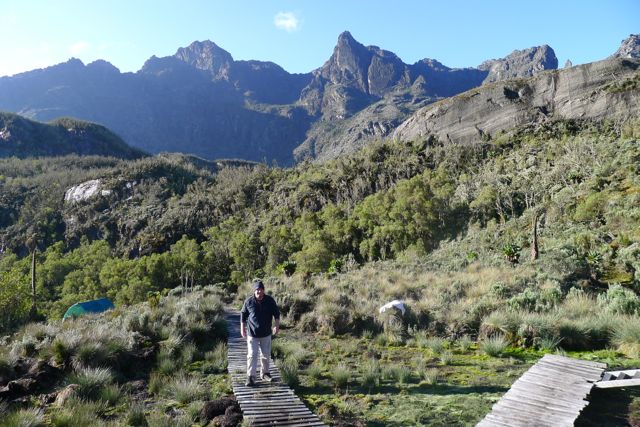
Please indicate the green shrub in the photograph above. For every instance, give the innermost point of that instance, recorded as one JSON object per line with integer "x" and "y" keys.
{"x": 619, "y": 300}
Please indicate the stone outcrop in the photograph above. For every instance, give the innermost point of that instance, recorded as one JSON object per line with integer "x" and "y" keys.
{"x": 605, "y": 89}
{"x": 630, "y": 47}
{"x": 520, "y": 63}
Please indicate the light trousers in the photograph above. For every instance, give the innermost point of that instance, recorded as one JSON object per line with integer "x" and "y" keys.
{"x": 255, "y": 346}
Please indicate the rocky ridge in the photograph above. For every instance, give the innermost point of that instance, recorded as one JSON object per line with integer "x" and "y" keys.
{"x": 202, "y": 101}
{"x": 606, "y": 89}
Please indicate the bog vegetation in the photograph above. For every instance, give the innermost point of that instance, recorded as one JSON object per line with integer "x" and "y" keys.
{"x": 502, "y": 250}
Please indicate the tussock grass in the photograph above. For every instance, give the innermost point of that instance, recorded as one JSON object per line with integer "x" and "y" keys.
{"x": 494, "y": 346}
{"x": 216, "y": 359}
{"x": 183, "y": 389}
{"x": 136, "y": 417}
{"x": 626, "y": 337}
{"x": 289, "y": 372}
{"x": 464, "y": 343}
{"x": 31, "y": 417}
{"x": 341, "y": 375}
{"x": 446, "y": 358}
{"x": 371, "y": 375}
{"x": 91, "y": 381}
{"x": 78, "y": 412}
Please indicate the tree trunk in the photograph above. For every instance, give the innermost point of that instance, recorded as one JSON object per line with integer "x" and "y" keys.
{"x": 534, "y": 238}
{"x": 34, "y": 306}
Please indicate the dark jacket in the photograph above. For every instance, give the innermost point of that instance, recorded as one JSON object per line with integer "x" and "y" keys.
{"x": 258, "y": 315}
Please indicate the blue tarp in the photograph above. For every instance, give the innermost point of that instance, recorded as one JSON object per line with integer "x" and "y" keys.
{"x": 95, "y": 306}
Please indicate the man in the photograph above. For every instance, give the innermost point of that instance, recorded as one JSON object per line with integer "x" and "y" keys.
{"x": 257, "y": 313}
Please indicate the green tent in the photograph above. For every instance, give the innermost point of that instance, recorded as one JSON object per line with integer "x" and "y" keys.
{"x": 95, "y": 306}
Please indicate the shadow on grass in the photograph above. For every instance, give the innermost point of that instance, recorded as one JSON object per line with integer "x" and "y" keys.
{"x": 608, "y": 407}
{"x": 411, "y": 388}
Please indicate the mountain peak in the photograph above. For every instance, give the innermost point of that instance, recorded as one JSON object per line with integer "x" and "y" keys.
{"x": 520, "y": 63}
{"x": 208, "y": 56}
{"x": 346, "y": 36}
{"x": 629, "y": 48}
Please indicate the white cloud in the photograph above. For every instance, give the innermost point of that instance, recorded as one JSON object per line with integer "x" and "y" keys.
{"x": 79, "y": 47}
{"x": 287, "y": 21}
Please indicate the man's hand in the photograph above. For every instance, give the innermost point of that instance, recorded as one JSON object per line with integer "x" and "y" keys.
{"x": 276, "y": 328}
{"x": 243, "y": 330}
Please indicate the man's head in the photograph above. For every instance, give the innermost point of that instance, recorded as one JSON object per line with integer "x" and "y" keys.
{"x": 258, "y": 288}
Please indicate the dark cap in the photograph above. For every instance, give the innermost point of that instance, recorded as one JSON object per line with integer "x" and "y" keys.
{"x": 257, "y": 284}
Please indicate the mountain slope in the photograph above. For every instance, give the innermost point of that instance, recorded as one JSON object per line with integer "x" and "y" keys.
{"x": 608, "y": 89}
{"x": 22, "y": 137}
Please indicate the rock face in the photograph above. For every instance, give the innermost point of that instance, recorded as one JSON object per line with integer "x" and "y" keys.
{"x": 630, "y": 47}
{"x": 605, "y": 89}
{"x": 202, "y": 101}
{"x": 363, "y": 93}
{"x": 520, "y": 63}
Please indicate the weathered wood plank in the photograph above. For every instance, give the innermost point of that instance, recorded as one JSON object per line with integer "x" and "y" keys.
{"x": 618, "y": 383}
{"x": 553, "y": 392}
{"x": 575, "y": 362}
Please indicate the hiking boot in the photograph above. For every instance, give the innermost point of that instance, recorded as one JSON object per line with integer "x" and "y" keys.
{"x": 250, "y": 382}
{"x": 267, "y": 377}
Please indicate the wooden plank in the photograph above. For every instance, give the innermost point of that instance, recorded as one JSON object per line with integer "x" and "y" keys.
{"x": 552, "y": 392}
{"x": 534, "y": 410}
{"x": 569, "y": 386}
{"x": 556, "y": 390}
{"x": 306, "y": 423}
{"x": 618, "y": 383}
{"x": 545, "y": 406}
{"x": 585, "y": 373}
{"x": 572, "y": 361}
{"x": 524, "y": 399}
{"x": 534, "y": 390}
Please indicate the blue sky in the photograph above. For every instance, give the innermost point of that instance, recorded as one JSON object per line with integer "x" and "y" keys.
{"x": 300, "y": 35}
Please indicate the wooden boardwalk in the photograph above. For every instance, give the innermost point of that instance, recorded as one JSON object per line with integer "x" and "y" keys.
{"x": 551, "y": 393}
{"x": 265, "y": 404}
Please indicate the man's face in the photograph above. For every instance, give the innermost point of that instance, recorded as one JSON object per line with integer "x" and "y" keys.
{"x": 259, "y": 293}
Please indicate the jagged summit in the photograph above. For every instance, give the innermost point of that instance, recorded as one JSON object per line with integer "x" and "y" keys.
{"x": 208, "y": 56}
{"x": 629, "y": 48}
{"x": 520, "y": 63}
